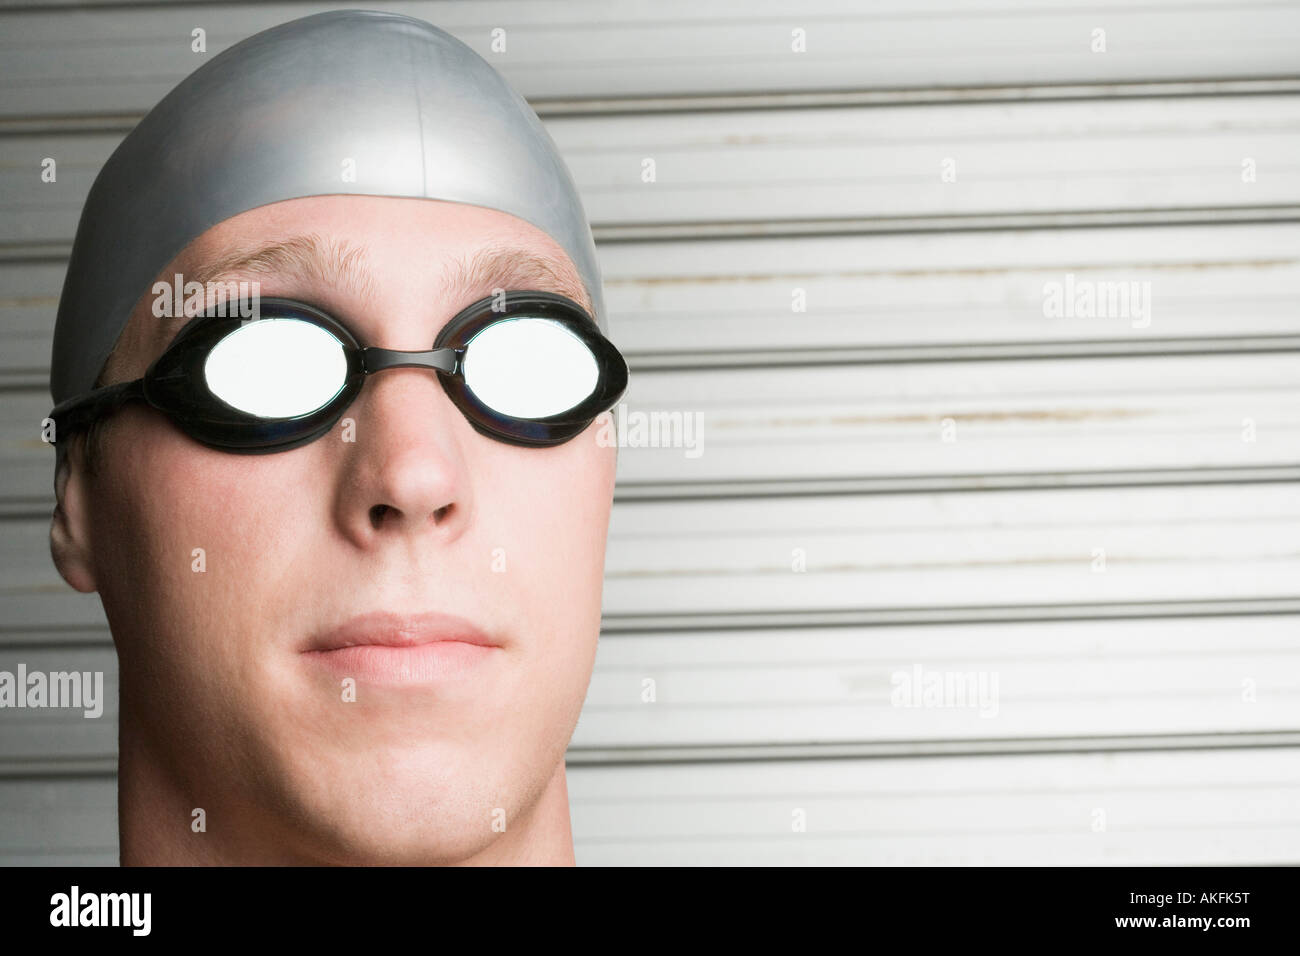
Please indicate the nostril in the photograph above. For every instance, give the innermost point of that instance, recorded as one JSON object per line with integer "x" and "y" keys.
{"x": 379, "y": 512}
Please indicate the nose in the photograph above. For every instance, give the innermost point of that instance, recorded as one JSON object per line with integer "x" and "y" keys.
{"x": 405, "y": 473}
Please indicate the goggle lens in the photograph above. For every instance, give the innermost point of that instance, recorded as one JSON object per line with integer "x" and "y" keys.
{"x": 277, "y": 368}
{"x": 529, "y": 368}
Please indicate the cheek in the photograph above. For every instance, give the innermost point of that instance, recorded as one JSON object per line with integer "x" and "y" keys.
{"x": 194, "y": 535}
{"x": 549, "y": 509}
{"x": 549, "y": 512}
{"x": 559, "y": 503}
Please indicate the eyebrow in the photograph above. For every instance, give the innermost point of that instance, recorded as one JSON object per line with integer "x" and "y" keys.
{"x": 312, "y": 259}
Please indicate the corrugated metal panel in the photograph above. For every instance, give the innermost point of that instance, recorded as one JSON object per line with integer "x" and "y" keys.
{"x": 115, "y": 62}
{"x": 1201, "y": 807}
{"x": 70, "y": 822}
{"x": 1167, "y": 442}
{"x": 745, "y": 169}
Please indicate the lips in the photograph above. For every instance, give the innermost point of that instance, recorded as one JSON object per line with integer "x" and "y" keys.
{"x": 387, "y": 648}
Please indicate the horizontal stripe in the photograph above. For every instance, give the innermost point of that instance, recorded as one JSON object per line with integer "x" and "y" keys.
{"x": 898, "y": 165}
{"x": 124, "y": 59}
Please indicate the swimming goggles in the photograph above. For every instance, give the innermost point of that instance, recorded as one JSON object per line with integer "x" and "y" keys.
{"x": 526, "y": 368}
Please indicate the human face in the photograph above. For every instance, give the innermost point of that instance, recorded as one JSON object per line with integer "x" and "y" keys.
{"x": 227, "y": 680}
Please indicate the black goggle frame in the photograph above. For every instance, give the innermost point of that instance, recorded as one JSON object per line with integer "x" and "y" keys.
{"x": 175, "y": 383}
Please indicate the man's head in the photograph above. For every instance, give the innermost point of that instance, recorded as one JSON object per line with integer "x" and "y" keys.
{"x": 233, "y": 583}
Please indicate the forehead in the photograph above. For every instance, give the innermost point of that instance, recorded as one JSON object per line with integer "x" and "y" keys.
{"x": 361, "y": 242}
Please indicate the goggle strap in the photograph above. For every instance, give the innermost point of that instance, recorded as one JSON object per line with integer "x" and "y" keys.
{"x": 80, "y": 411}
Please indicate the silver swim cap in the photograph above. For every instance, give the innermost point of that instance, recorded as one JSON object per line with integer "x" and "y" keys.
{"x": 273, "y": 118}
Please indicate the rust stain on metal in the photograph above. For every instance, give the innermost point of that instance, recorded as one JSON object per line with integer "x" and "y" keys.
{"x": 1052, "y": 415}
{"x": 1128, "y": 269}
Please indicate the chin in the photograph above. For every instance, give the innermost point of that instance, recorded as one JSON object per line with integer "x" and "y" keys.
{"x": 367, "y": 843}
{"x": 426, "y": 806}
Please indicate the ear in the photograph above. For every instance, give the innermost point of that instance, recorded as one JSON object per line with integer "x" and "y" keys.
{"x": 70, "y": 529}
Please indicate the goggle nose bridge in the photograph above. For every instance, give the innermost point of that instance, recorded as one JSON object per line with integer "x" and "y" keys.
{"x": 375, "y": 359}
